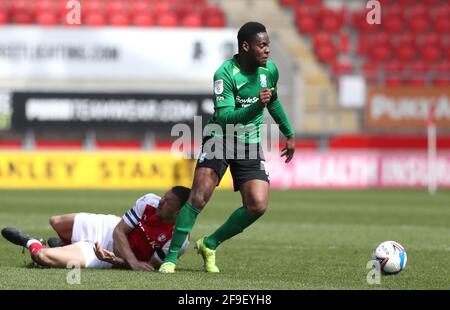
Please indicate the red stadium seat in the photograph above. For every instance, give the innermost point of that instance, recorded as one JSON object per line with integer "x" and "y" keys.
{"x": 139, "y": 7}
{"x": 430, "y": 53}
{"x": 162, "y": 8}
{"x": 331, "y": 24}
{"x": 92, "y": 6}
{"x": 47, "y": 19}
{"x": 431, "y": 39}
{"x": 344, "y": 42}
{"x": 288, "y": 2}
{"x": 394, "y": 67}
{"x": 22, "y": 18}
{"x": 416, "y": 82}
{"x": 192, "y": 21}
{"x": 406, "y": 2}
{"x": 441, "y": 25}
{"x": 393, "y": 81}
{"x": 418, "y": 25}
{"x": 321, "y": 38}
{"x": 326, "y": 53}
{"x": 403, "y": 39}
{"x": 393, "y": 24}
{"x": 430, "y": 3}
{"x": 393, "y": 11}
{"x": 3, "y": 18}
{"x": 380, "y": 39}
{"x": 117, "y": 6}
{"x": 95, "y": 20}
{"x": 167, "y": 20}
{"x": 17, "y": 6}
{"x": 418, "y": 67}
{"x": 380, "y": 53}
{"x": 215, "y": 21}
{"x": 441, "y": 81}
{"x": 405, "y": 53}
{"x": 307, "y": 25}
{"x": 211, "y": 10}
{"x": 143, "y": 20}
{"x": 119, "y": 19}
{"x": 418, "y": 11}
{"x": 442, "y": 67}
{"x": 370, "y": 72}
{"x": 303, "y": 10}
{"x": 42, "y": 6}
{"x": 340, "y": 67}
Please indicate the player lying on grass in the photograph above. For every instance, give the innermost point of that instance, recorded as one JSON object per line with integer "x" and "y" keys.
{"x": 139, "y": 240}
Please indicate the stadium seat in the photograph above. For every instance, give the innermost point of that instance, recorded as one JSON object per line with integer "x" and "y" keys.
{"x": 22, "y": 18}
{"x": 403, "y": 39}
{"x": 116, "y": 7}
{"x": 307, "y": 25}
{"x": 416, "y": 82}
{"x": 418, "y": 67}
{"x": 192, "y": 21}
{"x": 342, "y": 67}
{"x": 3, "y": 18}
{"x": 326, "y": 53}
{"x": 42, "y": 6}
{"x": 214, "y": 21}
{"x": 47, "y": 19}
{"x": 430, "y": 53}
{"x": 418, "y": 25}
{"x": 95, "y": 20}
{"x": 442, "y": 25}
{"x": 288, "y": 2}
{"x": 405, "y": 53}
{"x": 380, "y": 53}
{"x": 441, "y": 81}
{"x": 394, "y": 68}
{"x": 392, "y": 24}
{"x": 167, "y": 20}
{"x": 143, "y": 20}
{"x": 392, "y": 81}
{"x": 322, "y": 38}
{"x": 119, "y": 19}
{"x": 139, "y": 7}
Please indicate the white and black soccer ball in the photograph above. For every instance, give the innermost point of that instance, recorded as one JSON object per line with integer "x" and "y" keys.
{"x": 391, "y": 256}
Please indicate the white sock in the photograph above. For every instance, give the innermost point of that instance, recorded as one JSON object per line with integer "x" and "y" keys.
{"x": 31, "y": 241}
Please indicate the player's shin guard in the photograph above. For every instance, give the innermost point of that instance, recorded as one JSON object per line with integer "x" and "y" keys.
{"x": 236, "y": 223}
{"x": 185, "y": 221}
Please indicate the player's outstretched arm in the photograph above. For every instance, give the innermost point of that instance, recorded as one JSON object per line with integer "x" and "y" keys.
{"x": 121, "y": 244}
{"x": 279, "y": 116}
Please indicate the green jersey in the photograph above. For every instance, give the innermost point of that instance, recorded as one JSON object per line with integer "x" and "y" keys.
{"x": 238, "y": 90}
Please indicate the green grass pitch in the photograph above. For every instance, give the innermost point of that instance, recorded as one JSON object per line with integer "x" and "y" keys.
{"x": 306, "y": 240}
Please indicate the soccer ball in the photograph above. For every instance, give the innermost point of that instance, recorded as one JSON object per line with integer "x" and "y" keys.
{"x": 391, "y": 256}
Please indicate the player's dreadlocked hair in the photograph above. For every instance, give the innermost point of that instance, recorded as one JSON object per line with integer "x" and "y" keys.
{"x": 248, "y": 31}
{"x": 182, "y": 193}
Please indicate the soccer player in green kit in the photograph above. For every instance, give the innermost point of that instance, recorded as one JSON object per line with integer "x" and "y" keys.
{"x": 243, "y": 87}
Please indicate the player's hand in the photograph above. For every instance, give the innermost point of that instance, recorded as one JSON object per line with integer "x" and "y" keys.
{"x": 289, "y": 149}
{"x": 104, "y": 255}
{"x": 140, "y": 265}
{"x": 264, "y": 97}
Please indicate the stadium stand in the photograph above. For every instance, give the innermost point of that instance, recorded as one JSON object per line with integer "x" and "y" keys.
{"x": 120, "y": 13}
{"x": 412, "y": 39}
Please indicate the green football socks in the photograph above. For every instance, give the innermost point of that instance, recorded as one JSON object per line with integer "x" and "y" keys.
{"x": 185, "y": 221}
{"x": 236, "y": 223}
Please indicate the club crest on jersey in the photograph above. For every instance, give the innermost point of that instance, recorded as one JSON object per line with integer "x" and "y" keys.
{"x": 218, "y": 87}
{"x": 162, "y": 237}
{"x": 263, "y": 79}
